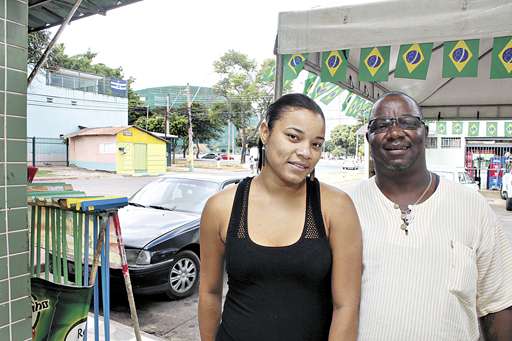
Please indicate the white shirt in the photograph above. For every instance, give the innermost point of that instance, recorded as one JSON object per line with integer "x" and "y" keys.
{"x": 454, "y": 266}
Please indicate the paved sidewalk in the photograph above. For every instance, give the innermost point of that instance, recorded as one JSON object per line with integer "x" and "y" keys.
{"x": 118, "y": 331}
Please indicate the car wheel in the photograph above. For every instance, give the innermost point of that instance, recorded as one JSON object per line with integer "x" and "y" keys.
{"x": 503, "y": 194}
{"x": 508, "y": 204}
{"x": 183, "y": 277}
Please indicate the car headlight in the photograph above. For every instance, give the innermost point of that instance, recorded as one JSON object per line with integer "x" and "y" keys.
{"x": 138, "y": 257}
{"x": 144, "y": 258}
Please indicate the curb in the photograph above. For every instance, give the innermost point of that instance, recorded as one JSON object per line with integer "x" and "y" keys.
{"x": 55, "y": 178}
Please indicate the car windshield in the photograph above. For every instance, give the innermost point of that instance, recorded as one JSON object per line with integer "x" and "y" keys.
{"x": 175, "y": 194}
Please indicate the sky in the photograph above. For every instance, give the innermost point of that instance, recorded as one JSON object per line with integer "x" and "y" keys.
{"x": 174, "y": 42}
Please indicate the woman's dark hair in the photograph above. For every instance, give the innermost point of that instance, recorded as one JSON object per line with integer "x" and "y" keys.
{"x": 283, "y": 104}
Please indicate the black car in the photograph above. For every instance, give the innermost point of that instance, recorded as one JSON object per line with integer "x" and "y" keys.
{"x": 161, "y": 234}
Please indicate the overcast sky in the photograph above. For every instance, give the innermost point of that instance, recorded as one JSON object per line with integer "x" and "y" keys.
{"x": 169, "y": 42}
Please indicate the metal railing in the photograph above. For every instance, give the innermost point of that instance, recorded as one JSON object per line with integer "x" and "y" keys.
{"x": 99, "y": 86}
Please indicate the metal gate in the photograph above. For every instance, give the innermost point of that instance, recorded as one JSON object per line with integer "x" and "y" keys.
{"x": 47, "y": 151}
{"x": 487, "y": 160}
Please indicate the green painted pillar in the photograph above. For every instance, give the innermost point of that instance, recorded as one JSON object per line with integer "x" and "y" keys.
{"x": 15, "y": 303}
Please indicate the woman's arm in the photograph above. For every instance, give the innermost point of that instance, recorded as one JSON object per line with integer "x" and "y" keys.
{"x": 346, "y": 245}
{"x": 212, "y": 269}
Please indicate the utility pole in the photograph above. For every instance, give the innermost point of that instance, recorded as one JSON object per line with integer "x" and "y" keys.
{"x": 167, "y": 118}
{"x": 229, "y": 138}
{"x": 190, "y": 134}
{"x": 147, "y": 116}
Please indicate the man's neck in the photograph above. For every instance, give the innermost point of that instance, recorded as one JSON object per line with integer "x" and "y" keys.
{"x": 403, "y": 187}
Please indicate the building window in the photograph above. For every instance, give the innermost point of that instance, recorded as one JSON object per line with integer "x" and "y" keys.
{"x": 49, "y": 100}
{"x": 73, "y": 102}
{"x": 431, "y": 143}
{"x": 450, "y": 142}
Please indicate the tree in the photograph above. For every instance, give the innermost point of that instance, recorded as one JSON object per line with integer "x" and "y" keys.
{"x": 206, "y": 125}
{"x": 37, "y": 43}
{"x": 136, "y": 107}
{"x": 344, "y": 137}
{"x": 248, "y": 90}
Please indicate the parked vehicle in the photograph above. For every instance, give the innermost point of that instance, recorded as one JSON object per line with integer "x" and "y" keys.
{"x": 349, "y": 164}
{"x": 210, "y": 156}
{"x": 506, "y": 189}
{"x": 161, "y": 234}
{"x": 457, "y": 175}
{"x": 224, "y": 156}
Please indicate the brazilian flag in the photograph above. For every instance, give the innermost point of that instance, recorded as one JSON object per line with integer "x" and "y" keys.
{"x": 441, "y": 128}
{"x": 329, "y": 97}
{"x": 334, "y": 66}
{"x": 309, "y": 83}
{"x": 508, "y": 129}
{"x": 413, "y": 61}
{"x": 347, "y": 101}
{"x": 321, "y": 89}
{"x": 269, "y": 74}
{"x": 501, "y": 61}
{"x": 374, "y": 64}
{"x": 293, "y": 65}
{"x": 473, "y": 129}
{"x": 491, "y": 129}
{"x": 460, "y": 58}
{"x": 456, "y": 128}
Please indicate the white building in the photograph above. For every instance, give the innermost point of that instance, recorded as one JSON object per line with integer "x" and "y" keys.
{"x": 482, "y": 147}
{"x": 59, "y": 102}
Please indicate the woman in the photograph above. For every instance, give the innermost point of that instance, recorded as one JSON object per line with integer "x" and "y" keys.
{"x": 293, "y": 265}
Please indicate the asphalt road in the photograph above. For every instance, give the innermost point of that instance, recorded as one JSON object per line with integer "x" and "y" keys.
{"x": 177, "y": 320}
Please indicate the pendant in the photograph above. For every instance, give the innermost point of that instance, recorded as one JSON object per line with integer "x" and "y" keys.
{"x": 405, "y": 228}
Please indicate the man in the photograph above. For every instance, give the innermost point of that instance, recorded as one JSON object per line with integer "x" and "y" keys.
{"x": 435, "y": 257}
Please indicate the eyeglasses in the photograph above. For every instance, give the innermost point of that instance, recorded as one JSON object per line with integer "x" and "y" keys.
{"x": 405, "y": 122}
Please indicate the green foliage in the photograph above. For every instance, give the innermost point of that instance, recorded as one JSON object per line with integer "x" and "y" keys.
{"x": 248, "y": 89}
{"x": 136, "y": 107}
{"x": 343, "y": 139}
{"x": 155, "y": 123}
{"x": 37, "y": 43}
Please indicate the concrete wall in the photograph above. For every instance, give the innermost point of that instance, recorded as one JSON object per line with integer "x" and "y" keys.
{"x": 93, "y": 152}
{"x": 62, "y": 117}
{"x": 15, "y": 303}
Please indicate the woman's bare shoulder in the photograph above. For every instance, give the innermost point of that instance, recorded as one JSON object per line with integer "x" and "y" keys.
{"x": 222, "y": 201}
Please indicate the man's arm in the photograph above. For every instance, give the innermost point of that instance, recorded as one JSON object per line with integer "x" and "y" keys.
{"x": 497, "y": 326}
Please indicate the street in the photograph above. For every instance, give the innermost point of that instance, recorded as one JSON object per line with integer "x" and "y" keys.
{"x": 177, "y": 320}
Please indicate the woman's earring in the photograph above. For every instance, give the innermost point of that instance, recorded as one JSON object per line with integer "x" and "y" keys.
{"x": 312, "y": 175}
{"x": 263, "y": 156}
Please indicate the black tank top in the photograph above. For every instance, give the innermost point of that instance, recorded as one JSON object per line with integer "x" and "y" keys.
{"x": 277, "y": 293}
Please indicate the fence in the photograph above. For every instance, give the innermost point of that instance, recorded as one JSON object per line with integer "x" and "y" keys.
{"x": 69, "y": 241}
{"x": 47, "y": 151}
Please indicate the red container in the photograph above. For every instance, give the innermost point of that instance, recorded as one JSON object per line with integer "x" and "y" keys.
{"x": 31, "y": 173}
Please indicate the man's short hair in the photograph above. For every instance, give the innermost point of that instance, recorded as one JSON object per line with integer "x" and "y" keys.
{"x": 397, "y": 93}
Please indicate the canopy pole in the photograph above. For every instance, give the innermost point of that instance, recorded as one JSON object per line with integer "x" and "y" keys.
{"x": 43, "y": 58}
{"x": 278, "y": 88}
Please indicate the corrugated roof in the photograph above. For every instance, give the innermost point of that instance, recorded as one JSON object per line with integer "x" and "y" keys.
{"x": 43, "y": 14}
{"x": 98, "y": 131}
{"x": 109, "y": 131}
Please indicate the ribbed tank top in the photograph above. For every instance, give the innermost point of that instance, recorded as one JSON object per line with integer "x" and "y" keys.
{"x": 277, "y": 293}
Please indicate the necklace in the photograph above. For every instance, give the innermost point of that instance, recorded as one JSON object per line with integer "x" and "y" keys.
{"x": 406, "y": 214}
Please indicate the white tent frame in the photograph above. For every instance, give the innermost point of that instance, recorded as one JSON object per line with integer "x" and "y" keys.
{"x": 396, "y": 22}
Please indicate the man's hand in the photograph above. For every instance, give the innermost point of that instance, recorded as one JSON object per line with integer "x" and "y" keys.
{"x": 498, "y": 326}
